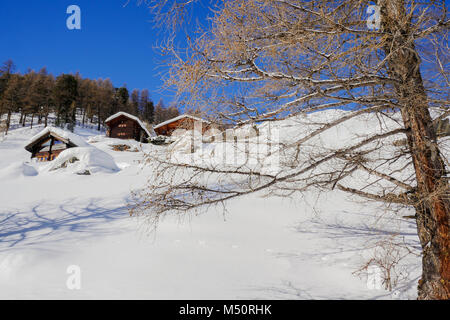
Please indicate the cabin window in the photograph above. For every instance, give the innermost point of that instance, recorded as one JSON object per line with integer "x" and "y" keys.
{"x": 46, "y": 144}
{"x": 122, "y": 125}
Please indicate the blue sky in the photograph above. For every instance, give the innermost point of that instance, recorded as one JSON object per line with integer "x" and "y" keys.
{"x": 115, "y": 41}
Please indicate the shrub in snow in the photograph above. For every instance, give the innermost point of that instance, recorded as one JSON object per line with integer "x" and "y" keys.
{"x": 123, "y": 147}
{"x": 83, "y": 160}
{"x": 160, "y": 140}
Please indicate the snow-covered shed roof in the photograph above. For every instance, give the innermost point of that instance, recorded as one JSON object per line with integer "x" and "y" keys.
{"x": 179, "y": 118}
{"x": 63, "y": 135}
{"x": 121, "y": 113}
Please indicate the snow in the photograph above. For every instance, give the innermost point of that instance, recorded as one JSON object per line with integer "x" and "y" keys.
{"x": 121, "y": 113}
{"x": 18, "y": 170}
{"x": 88, "y": 159}
{"x": 307, "y": 247}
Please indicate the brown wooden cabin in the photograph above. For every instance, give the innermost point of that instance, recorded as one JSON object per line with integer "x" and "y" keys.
{"x": 48, "y": 146}
{"x": 125, "y": 126}
{"x": 184, "y": 121}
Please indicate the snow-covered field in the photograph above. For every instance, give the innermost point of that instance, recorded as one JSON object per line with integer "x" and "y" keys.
{"x": 277, "y": 248}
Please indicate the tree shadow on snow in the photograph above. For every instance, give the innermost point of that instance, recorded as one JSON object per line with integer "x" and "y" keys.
{"x": 46, "y": 223}
{"x": 342, "y": 242}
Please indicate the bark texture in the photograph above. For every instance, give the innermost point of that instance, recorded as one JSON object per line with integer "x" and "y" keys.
{"x": 432, "y": 194}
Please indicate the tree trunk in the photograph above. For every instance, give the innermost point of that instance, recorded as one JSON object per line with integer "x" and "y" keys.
{"x": 84, "y": 117}
{"x": 8, "y": 122}
{"x": 432, "y": 201}
{"x": 98, "y": 119}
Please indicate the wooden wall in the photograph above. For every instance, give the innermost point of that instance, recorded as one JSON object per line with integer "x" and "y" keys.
{"x": 184, "y": 123}
{"x": 47, "y": 156}
{"x": 124, "y": 128}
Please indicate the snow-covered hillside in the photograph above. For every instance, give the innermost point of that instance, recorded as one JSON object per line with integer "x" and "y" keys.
{"x": 276, "y": 248}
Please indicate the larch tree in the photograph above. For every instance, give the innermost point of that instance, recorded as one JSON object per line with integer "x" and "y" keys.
{"x": 13, "y": 98}
{"x": 135, "y": 99}
{"x": 160, "y": 112}
{"x": 104, "y": 94}
{"x": 269, "y": 60}
{"x": 6, "y": 72}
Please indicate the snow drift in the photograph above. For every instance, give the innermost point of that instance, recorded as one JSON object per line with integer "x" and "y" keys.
{"x": 18, "y": 170}
{"x": 84, "y": 160}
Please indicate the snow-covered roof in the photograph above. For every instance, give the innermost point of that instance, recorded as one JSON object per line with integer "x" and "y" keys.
{"x": 68, "y": 136}
{"x": 121, "y": 113}
{"x": 178, "y": 118}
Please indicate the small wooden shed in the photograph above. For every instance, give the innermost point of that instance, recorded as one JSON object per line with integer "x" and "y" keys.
{"x": 50, "y": 142}
{"x": 182, "y": 122}
{"x": 123, "y": 125}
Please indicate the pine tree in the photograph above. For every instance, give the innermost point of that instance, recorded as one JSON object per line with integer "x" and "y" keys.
{"x": 65, "y": 95}
{"x": 123, "y": 96}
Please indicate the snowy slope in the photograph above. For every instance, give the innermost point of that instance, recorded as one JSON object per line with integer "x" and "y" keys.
{"x": 262, "y": 248}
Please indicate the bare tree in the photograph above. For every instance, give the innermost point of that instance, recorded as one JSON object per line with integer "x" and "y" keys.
{"x": 169, "y": 14}
{"x": 265, "y": 61}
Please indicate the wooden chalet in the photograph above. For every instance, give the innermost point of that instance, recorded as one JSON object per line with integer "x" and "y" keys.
{"x": 49, "y": 143}
{"x": 182, "y": 122}
{"x": 126, "y": 126}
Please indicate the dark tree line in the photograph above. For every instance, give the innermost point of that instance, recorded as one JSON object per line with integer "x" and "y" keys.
{"x": 36, "y": 95}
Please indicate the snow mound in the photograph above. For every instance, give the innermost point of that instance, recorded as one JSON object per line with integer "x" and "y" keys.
{"x": 107, "y": 141}
{"x": 18, "y": 170}
{"x": 97, "y": 138}
{"x": 82, "y": 160}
